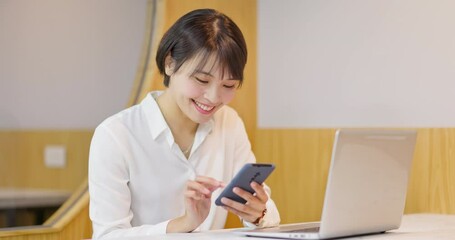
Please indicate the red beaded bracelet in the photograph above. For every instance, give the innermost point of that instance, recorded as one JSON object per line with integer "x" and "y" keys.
{"x": 258, "y": 221}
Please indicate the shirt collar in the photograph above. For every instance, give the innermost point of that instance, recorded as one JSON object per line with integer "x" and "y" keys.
{"x": 156, "y": 121}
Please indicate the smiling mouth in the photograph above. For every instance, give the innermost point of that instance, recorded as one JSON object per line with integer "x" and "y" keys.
{"x": 203, "y": 108}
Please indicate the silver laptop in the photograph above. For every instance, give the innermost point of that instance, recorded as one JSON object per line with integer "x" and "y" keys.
{"x": 366, "y": 187}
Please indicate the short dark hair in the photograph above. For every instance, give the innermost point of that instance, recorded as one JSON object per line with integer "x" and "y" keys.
{"x": 205, "y": 32}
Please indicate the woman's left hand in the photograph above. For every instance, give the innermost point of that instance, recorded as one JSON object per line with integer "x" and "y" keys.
{"x": 254, "y": 206}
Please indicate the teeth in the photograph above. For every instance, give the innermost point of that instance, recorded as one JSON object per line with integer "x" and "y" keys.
{"x": 204, "y": 107}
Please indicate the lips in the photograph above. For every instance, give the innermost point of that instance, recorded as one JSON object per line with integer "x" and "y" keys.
{"x": 205, "y": 109}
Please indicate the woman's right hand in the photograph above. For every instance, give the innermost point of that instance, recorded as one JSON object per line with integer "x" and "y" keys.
{"x": 198, "y": 196}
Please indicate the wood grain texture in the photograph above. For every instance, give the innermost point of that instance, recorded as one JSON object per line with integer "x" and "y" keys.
{"x": 432, "y": 183}
{"x": 302, "y": 158}
{"x": 22, "y": 158}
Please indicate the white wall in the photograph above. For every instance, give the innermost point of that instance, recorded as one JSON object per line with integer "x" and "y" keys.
{"x": 67, "y": 64}
{"x": 356, "y": 63}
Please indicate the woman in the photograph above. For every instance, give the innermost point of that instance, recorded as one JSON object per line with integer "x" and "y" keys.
{"x": 157, "y": 167}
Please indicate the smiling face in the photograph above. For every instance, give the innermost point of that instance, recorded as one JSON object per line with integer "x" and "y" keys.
{"x": 198, "y": 92}
{"x": 202, "y": 57}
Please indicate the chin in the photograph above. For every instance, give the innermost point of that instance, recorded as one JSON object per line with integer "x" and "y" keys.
{"x": 202, "y": 118}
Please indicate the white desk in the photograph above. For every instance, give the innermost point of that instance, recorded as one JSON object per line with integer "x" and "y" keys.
{"x": 414, "y": 227}
{"x": 36, "y": 200}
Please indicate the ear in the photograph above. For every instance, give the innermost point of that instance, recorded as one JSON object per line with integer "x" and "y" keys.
{"x": 169, "y": 65}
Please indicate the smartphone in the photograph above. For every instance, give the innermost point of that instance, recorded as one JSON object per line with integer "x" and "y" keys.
{"x": 250, "y": 172}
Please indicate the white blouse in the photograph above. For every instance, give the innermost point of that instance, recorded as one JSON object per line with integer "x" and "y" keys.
{"x": 138, "y": 174}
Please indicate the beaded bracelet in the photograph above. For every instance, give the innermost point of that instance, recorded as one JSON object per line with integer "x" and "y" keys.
{"x": 258, "y": 221}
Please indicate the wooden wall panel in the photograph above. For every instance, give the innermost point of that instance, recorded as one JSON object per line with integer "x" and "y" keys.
{"x": 302, "y": 159}
{"x": 432, "y": 183}
{"x": 9, "y": 160}
{"x": 303, "y": 156}
{"x": 22, "y": 158}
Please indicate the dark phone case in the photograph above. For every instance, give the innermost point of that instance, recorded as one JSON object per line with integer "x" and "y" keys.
{"x": 257, "y": 172}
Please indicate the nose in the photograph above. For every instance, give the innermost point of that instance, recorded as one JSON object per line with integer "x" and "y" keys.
{"x": 213, "y": 94}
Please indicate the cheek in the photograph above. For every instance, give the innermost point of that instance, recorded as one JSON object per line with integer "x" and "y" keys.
{"x": 192, "y": 90}
{"x": 227, "y": 96}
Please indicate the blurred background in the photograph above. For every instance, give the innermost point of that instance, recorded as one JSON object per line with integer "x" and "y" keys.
{"x": 313, "y": 67}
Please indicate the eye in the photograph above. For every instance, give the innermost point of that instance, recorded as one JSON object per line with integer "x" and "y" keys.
{"x": 201, "y": 81}
{"x": 229, "y": 86}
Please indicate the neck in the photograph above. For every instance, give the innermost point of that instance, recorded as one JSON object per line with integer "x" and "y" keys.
{"x": 178, "y": 122}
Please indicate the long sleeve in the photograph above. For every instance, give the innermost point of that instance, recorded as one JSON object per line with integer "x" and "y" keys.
{"x": 110, "y": 197}
{"x": 138, "y": 175}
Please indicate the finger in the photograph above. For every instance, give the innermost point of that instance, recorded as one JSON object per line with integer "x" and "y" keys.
{"x": 252, "y": 200}
{"x": 194, "y": 195}
{"x": 200, "y": 188}
{"x": 244, "y": 194}
{"x": 243, "y": 215}
{"x": 260, "y": 192}
{"x": 235, "y": 211}
{"x": 243, "y": 208}
{"x": 209, "y": 183}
